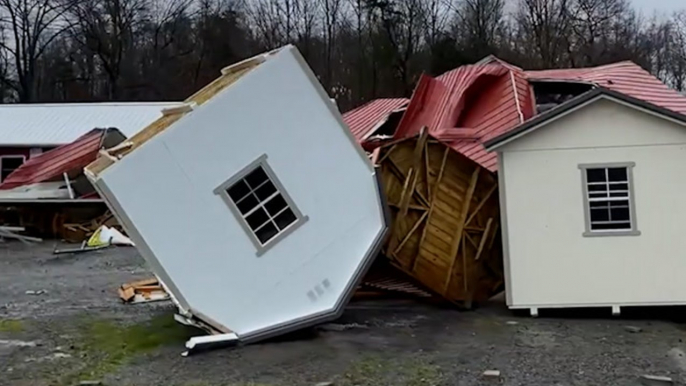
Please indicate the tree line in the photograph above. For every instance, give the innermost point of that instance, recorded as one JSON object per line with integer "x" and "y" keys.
{"x": 123, "y": 50}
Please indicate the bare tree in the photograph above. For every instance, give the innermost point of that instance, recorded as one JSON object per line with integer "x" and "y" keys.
{"x": 544, "y": 26}
{"x": 31, "y": 25}
{"x": 479, "y": 23}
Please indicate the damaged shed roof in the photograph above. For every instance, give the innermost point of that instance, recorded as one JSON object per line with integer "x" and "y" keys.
{"x": 474, "y": 104}
{"x": 364, "y": 119}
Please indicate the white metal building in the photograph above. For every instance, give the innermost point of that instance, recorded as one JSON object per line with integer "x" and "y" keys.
{"x": 253, "y": 203}
{"x": 27, "y": 130}
{"x": 592, "y": 205}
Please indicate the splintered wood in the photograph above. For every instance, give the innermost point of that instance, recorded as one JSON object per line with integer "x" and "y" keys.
{"x": 143, "y": 291}
{"x": 445, "y": 219}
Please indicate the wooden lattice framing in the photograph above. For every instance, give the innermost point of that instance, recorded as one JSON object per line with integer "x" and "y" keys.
{"x": 445, "y": 230}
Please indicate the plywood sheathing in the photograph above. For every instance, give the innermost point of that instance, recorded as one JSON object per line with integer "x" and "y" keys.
{"x": 445, "y": 219}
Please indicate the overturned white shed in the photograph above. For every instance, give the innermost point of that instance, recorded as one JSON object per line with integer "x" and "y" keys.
{"x": 252, "y": 203}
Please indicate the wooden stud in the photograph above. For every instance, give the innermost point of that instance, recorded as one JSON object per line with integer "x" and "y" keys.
{"x": 495, "y": 236}
{"x": 395, "y": 169}
{"x": 433, "y": 202}
{"x": 409, "y": 234}
{"x": 426, "y": 167}
{"x": 460, "y": 228}
{"x": 386, "y": 155}
{"x": 484, "y": 237}
{"x": 481, "y": 204}
{"x": 413, "y": 207}
{"x": 413, "y": 174}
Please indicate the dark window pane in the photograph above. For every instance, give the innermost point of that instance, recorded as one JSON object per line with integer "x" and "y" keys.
{"x": 599, "y": 204}
{"x": 600, "y": 215}
{"x": 617, "y": 174}
{"x": 619, "y": 194}
{"x": 619, "y": 186}
{"x": 613, "y": 226}
{"x": 247, "y": 204}
{"x": 257, "y": 218}
{"x": 595, "y": 175}
{"x": 285, "y": 219}
{"x": 275, "y": 205}
{"x": 238, "y": 190}
{"x": 620, "y": 214}
{"x": 597, "y": 194}
{"x": 257, "y": 177}
{"x": 267, "y": 232}
{"x": 619, "y": 204}
{"x": 266, "y": 190}
{"x": 597, "y": 188}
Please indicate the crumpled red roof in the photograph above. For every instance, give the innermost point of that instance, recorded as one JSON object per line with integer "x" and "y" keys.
{"x": 625, "y": 77}
{"x": 363, "y": 119}
{"x": 489, "y": 98}
{"x": 472, "y": 104}
{"x": 51, "y": 165}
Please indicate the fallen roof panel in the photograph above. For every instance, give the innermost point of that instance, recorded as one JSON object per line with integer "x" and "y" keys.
{"x": 364, "y": 119}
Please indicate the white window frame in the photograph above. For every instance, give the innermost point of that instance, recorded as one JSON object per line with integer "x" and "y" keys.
{"x": 222, "y": 191}
{"x": 23, "y": 160}
{"x": 631, "y": 197}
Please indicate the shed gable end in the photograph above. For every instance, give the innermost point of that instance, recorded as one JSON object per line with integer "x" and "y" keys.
{"x": 601, "y": 123}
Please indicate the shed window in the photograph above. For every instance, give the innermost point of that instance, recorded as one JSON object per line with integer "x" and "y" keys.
{"x": 10, "y": 163}
{"x": 609, "y": 199}
{"x": 261, "y": 203}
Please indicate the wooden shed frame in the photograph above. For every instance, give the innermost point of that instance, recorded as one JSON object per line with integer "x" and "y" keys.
{"x": 446, "y": 221}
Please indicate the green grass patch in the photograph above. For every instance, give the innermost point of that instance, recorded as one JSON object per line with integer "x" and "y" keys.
{"x": 11, "y": 325}
{"x": 378, "y": 371}
{"x": 107, "y": 345}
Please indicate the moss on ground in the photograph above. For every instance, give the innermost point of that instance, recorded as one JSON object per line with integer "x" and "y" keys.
{"x": 378, "y": 371}
{"x": 11, "y": 325}
{"x": 107, "y": 345}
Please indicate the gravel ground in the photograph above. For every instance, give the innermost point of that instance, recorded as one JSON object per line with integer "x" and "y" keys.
{"x": 79, "y": 330}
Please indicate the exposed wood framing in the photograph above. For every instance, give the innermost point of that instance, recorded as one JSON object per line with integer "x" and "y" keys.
{"x": 412, "y": 230}
{"x": 484, "y": 237}
{"x": 460, "y": 228}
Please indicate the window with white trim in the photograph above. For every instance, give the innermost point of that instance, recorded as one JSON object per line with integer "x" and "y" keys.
{"x": 609, "y": 199}
{"x": 262, "y": 205}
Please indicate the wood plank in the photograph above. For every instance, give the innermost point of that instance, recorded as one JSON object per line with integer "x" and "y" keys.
{"x": 386, "y": 154}
{"x": 440, "y": 234}
{"x": 481, "y": 204}
{"x": 412, "y": 230}
{"x": 484, "y": 237}
{"x": 433, "y": 199}
{"x": 495, "y": 235}
{"x": 471, "y": 241}
{"x": 427, "y": 169}
{"x": 398, "y": 171}
{"x": 460, "y": 228}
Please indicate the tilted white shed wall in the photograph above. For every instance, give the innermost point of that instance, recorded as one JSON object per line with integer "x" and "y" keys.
{"x": 166, "y": 187}
{"x": 550, "y": 262}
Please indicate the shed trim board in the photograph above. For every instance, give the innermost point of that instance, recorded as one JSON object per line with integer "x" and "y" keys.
{"x": 504, "y": 229}
{"x": 578, "y": 103}
{"x": 632, "y": 203}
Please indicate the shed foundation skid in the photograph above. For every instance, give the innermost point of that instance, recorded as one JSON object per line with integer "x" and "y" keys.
{"x": 445, "y": 230}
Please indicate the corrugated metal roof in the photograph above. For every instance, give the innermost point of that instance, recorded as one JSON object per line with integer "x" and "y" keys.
{"x": 624, "y": 77}
{"x": 489, "y": 98}
{"x": 53, "y": 164}
{"x": 58, "y": 124}
{"x": 473, "y": 104}
{"x": 363, "y": 119}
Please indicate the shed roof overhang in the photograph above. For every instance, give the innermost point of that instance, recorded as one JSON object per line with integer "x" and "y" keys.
{"x": 578, "y": 103}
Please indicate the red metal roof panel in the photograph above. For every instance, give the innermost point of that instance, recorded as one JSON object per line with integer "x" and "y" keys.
{"x": 363, "y": 119}
{"x": 53, "y": 164}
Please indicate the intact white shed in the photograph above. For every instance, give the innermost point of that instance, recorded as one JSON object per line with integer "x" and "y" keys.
{"x": 253, "y": 203}
{"x": 592, "y": 203}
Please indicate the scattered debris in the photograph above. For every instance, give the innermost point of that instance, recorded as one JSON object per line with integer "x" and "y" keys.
{"x": 76, "y": 233}
{"x": 17, "y": 343}
{"x": 633, "y": 329}
{"x": 82, "y": 249}
{"x": 7, "y": 232}
{"x": 210, "y": 342}
{"x": 491, "y": 374}
{"x": 39, "y": 292}
{"x": 90, "y": 383}
{"x": 324, "y": 384}
{"x": 341, "y": 327}
{"x": 654, "y": 380}
{"x": 105, "y": 236}
{"x": 511, "y": 323}
{"x": 143, "y": 291}
{"x": 678, "y": 357}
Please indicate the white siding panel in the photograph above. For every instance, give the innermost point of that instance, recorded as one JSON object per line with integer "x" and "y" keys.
{"x": 551, "y": 263}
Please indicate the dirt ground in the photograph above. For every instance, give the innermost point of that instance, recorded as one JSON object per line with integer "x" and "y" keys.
{"x": 77, "y": 330}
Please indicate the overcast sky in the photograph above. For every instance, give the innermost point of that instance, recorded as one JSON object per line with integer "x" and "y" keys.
{"x": 648, "y": 7}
